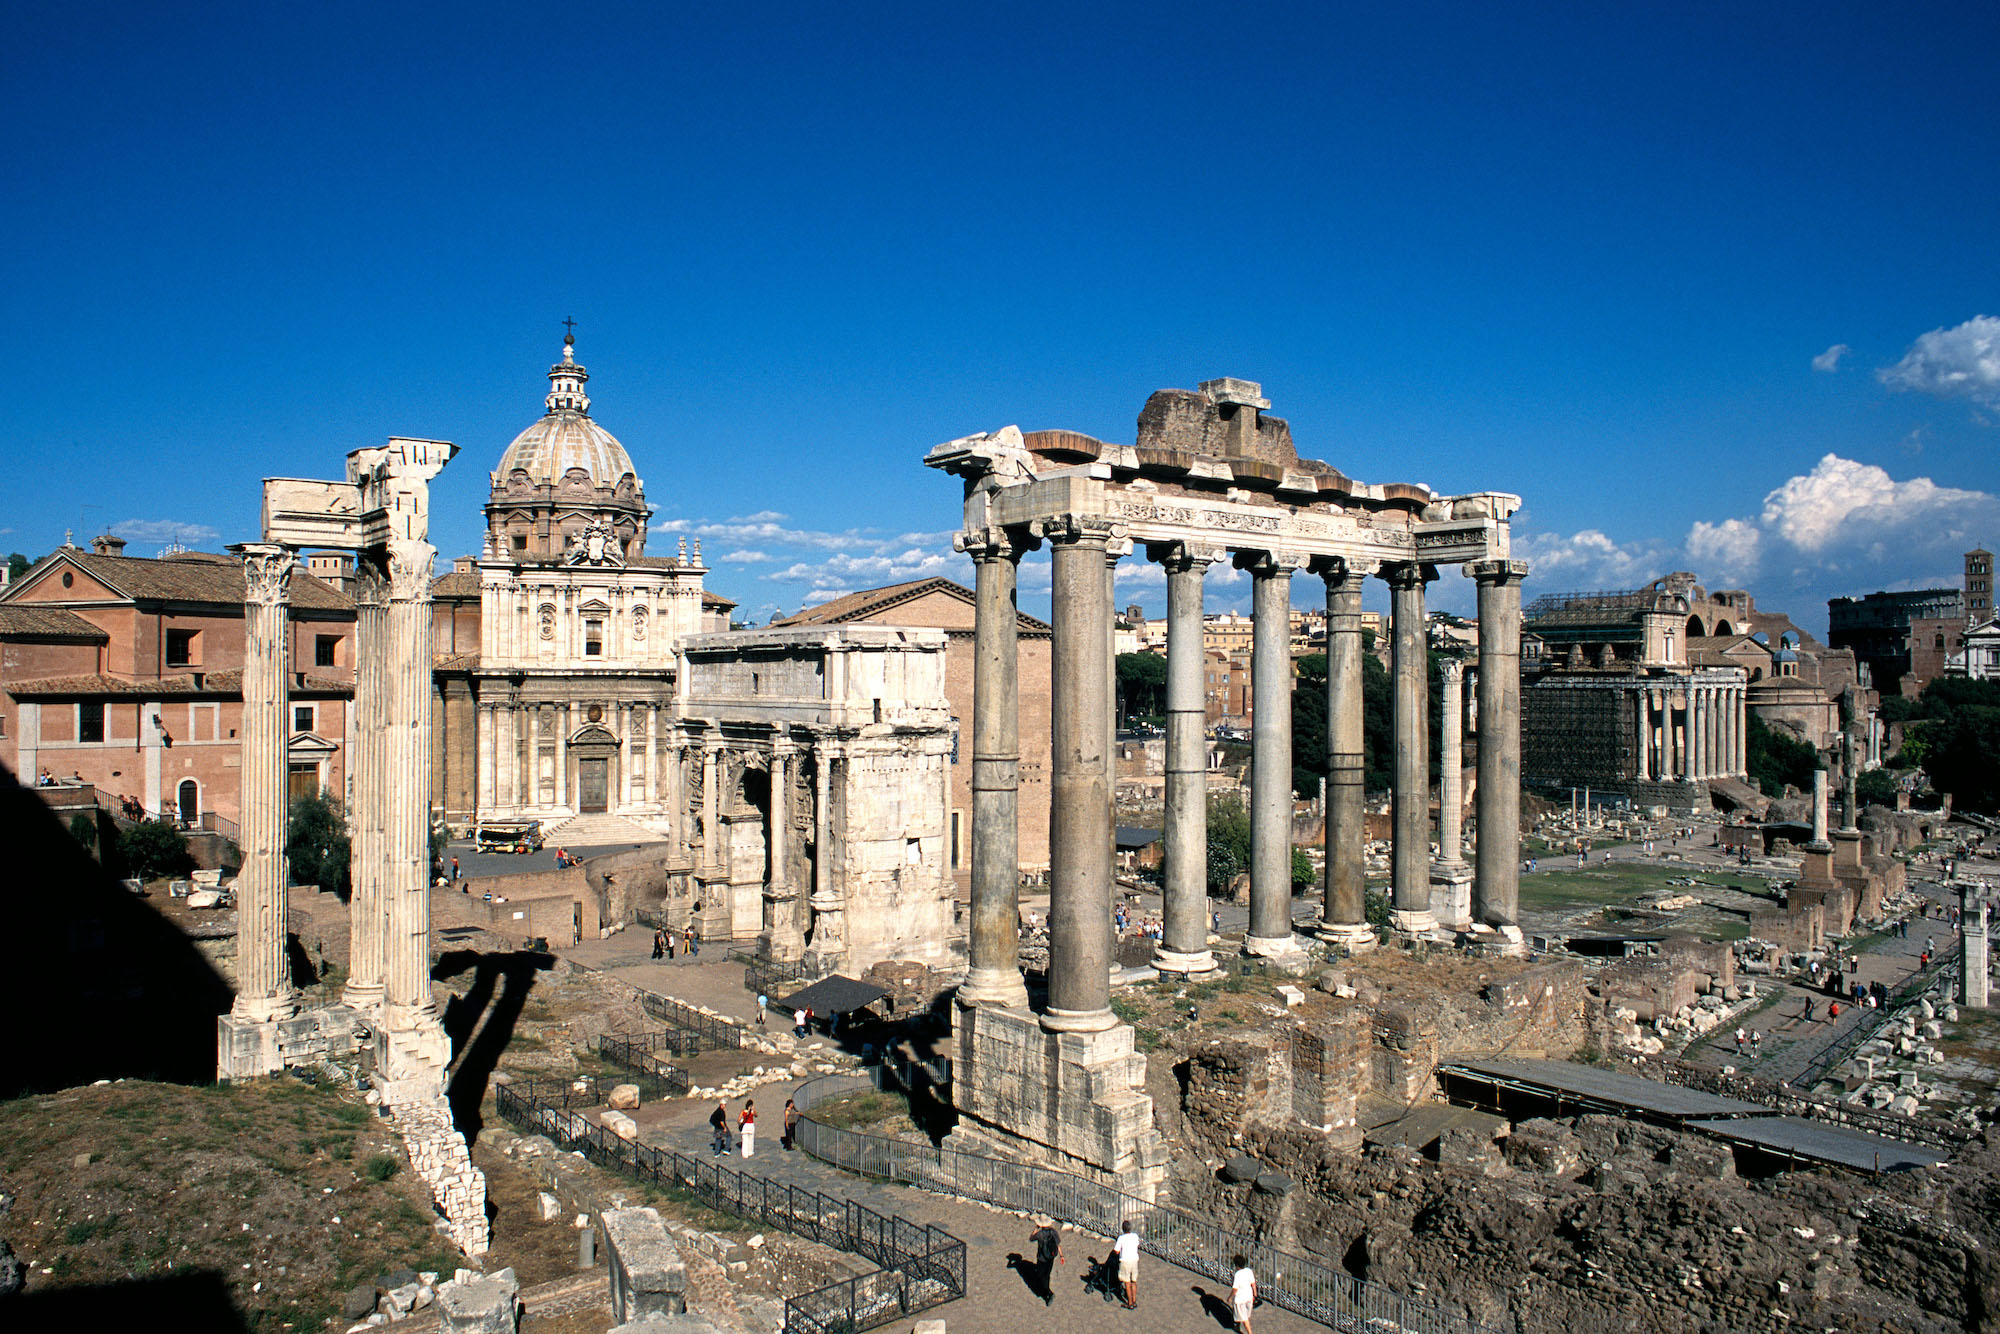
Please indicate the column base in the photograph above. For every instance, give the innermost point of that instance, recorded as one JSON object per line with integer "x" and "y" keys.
{"x": 1078, "y": 1021}
{"x": 1507, "y": 942}
{"x": 1272, "y": 947}
{"x": 1189, "y": 967}
{"x": 265, "y": 1009}
{"x": 363, "y": 996}
{"x": 993, "y": 986}
{"x": 1451, "y": 895}
{"x": 418, "y": 1052}
{"x": 1354, "y": 937}
{"x": 1413, "y": 921}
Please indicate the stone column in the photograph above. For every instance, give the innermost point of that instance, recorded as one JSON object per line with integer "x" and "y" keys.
{"x": 264, "y": 991}
{"x": 1974, "y": 963}
{"x": 1643, "y": 769}
{"x": 367, "y": 855}
{"x": 1496, "y": 886}
{"x": 620, "y": 800}
{"x": 1450, "y": 877}
{"x": 1819, "y": 806}
{"x": 1410, "y": 685}
{"x": 1850, "y": 804}
{"x": 486, "y": 749}
{"x": 783, "y": 939}
{"x": 1080, "y": 832}
{"x": 994, "y": 977}
{"x": 562, "y": 756}
{"x": 1184, "y": 930}
{"x": 405, "y": 793}
{"x": 1697, "y": 730}
{"x": 1343, "y": 907}
{"x": 1270, "y": 930}
{"x": 711, "y": 806}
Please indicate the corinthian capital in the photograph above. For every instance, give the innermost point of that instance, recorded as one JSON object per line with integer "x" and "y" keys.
{"x": 1408, "y": 574}
{"x": 371, "y": 581}
{"x": 410, "y": 569}
{"x": 267, "y": 572}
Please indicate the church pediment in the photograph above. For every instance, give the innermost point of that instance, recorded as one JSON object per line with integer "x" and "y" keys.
{"x": 592, "y": 735}
{"x": 309, "y": 746}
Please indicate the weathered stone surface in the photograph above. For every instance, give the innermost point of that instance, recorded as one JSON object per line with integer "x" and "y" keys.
{"x": 624, "y": 1098}
{"x": 620, "y": 1125}
{"x": 648, "y": 1276}
{"x": 481, "y": 1303}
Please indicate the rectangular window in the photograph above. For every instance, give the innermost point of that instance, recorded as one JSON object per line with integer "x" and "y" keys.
{"x": 520, "y": 541}
{"x": 954, "y": 840}
{"x": 302, "y": 717}
{"x": 593, "y": 639}
{"x": 326, "y": 650}
{"x": 90, "y": 721}
{"x": 181, "y": 648}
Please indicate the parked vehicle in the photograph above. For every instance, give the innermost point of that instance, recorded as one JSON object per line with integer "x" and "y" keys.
{"x": 508, "y": 836}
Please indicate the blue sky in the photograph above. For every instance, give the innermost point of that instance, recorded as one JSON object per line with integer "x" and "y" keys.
{"x": 1713, "y": 287}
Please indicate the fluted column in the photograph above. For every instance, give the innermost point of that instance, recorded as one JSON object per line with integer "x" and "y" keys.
{"x": 486, "y": 748}
{"x": 1410, "y": 857}
{"x": 1698, "y": 728}
{"x": 1080, "y": 847}
{"x": 711, "y": 805}
{"x": 1270, "y": 930}
{"x": 364, "y": 817}
{"x": 994, "y": 977}
{"x": 1184, "y": 930}
{"x": 406, "y": 789}
{"x": 1343, "y": 906}
{"x": 783, "y": 938}
{"x": 264, "y": 989}
{"x": 562, "y": 756}
{"x": 1496, "y": 886}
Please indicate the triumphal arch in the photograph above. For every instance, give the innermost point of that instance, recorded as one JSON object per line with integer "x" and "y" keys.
{"x": 1211, "y": 477}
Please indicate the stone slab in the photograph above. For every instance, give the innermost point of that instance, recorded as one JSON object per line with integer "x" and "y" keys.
{"x": 648, "y": 1276}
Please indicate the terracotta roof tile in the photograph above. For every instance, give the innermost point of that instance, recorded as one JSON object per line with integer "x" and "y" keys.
{"x": 212, "y": 683}
{"x": 25, "y": 620}
{"x": 196, "y": 576}
{"x": 870, "y": 604}
{"x": 455, "y": 585}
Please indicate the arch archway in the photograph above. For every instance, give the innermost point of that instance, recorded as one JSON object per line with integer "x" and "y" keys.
{"x": 1694, "y": 630}
{"x": 187, "y": 801}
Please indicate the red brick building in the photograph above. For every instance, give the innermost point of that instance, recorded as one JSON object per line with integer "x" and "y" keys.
{"x": 126, "y": 673}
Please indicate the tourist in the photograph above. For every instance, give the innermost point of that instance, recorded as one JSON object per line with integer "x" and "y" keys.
{"x": 791, "y": 1125}
{"x": 1048, "y": 1254}
{"x": 1809, "y": 1009}
{"x": 454, "y": 870}
{"x": 693, "y": 942}
{"x": 1741, "y": 1038}
{"x": 673, "y": 939}
{"x": 746, "y": 1125}
{"x": 763, "y": 1005}
{"x": 803, "y": 1018}
{"x": 1756, "y": 1043}
{"x": 719, "y": 1118}
{"x": 1833, "y": 1011}
{"x": 1243, "y": 1293}
{"x": 1127, "y": 1250}
{"x": 659, "y": 943}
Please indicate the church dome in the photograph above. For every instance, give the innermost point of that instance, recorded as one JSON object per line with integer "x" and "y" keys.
{"x": 566, "y": 437}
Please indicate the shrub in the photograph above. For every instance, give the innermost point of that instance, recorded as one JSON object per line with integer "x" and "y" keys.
{"x": 380, "y": 1167}
{"x": 83, "y": 828}
{"x": 154, "y": 850}
{"x": 316, "y": 843}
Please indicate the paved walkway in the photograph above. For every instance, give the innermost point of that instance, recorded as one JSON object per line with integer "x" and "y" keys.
{"x": 998, "y": 1301}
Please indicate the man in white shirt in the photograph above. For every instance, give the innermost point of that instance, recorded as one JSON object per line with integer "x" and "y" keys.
{"x": 1243, "y": 1293}
{"x": 1127, "y": 1250}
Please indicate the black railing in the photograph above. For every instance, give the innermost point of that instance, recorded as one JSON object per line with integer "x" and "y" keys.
{"x": 641, "y": 1053}
{"x": 769, "y": 977}
{"x": 1905, "y": 994}
{"x": 698, "y": 1032}
{"x": 922, "y": 1266}
{"x": 1316, "y": 1291}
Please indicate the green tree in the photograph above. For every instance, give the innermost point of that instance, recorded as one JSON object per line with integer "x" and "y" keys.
{"x": 83, "y": 828}
{"x": 1776, "y": 758}
{"x": 1142, "y": 685}
{"x": 1303, "y": 876}
{"x": 316, "y": 843}
{"x": 1875, "y": 788}
{"x": 1962, "y": 760}
{"x": 1228, "y": 842}
{"x": 154, "y": 850}
{"x": 17, "y": 565}
{"x": 1378, "y": 722}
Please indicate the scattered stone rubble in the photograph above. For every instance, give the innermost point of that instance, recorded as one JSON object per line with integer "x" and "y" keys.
{"x": 439, "y": 1156}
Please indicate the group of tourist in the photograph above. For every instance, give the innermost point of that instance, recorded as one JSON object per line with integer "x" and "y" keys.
{"x": 746, "y": 1126}
{"x": 666, "y": 941}
{"x": 1121, "y": 1268}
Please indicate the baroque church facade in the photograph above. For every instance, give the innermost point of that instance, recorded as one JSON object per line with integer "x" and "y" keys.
{"x": 794, "y": 779}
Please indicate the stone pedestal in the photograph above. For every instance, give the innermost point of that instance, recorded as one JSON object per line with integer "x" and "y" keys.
{"x": 1847, "y": 853}
{"x": 1451, "y": 896}
{"x": 648, "y": 1276}
{"x": 1072, "y": 1100}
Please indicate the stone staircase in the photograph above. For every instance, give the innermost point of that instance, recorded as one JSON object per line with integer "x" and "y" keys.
{"x": 597, "y": 831}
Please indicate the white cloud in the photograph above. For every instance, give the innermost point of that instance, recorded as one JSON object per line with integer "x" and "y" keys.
{"x": 761, "y": 516}
{"x": 163, "y": 530}
{"x": 1845, "y": 503}
{"x": 1725, "y": 551}
{"x": 1589, "y": 559}
{"x": 747, "y": 557}
{"x": 847, "y": 571}
{"x": 1829, "y": 360}
{"x": 1961, "y": 362}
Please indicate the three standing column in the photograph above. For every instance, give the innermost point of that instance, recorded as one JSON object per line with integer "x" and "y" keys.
{"x": 1411, "y": 802}
{"x": 994, "y": 977}
{"x": 1496, "y": 884}
{"x": 1080, "y": 811}
{"x": 1184, "y": 930}
{"x": 264, "y": 991}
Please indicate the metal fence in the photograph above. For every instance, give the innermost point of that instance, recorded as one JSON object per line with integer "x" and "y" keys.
{"x": 1316, "y": 1291}
{"x": 770, "y": 977}
{"x": 642, "y": 1053}
{"x": 698, "y": 1032}
{"x": 1907, "y": 993}
{"x": 922, "y": 1266}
